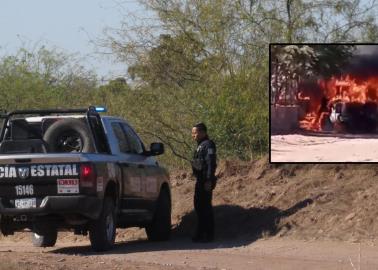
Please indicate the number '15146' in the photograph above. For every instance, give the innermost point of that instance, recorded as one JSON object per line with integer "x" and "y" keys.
{"x": 24, "y": 190}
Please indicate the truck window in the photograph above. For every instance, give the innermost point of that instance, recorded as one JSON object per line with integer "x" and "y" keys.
{"x": 99, "y": 134}
{"x": 121, "y": 138}
{"x": 135, "y": 143}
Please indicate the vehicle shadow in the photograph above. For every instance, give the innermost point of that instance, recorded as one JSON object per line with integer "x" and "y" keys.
{"x": 235, "y": 226}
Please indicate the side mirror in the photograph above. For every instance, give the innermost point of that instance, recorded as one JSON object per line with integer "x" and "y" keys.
{"x": 156, "y": 149}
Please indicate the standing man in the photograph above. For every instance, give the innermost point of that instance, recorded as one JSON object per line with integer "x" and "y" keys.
{"x": 204, "y": 165}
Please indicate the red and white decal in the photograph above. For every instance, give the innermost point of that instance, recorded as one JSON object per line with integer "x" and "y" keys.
{"x": 68, "y": 186}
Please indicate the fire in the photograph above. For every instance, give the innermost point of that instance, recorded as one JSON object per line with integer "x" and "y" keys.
{"x": 346, "y": 88}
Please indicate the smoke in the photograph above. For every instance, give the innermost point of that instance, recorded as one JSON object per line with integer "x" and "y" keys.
{"x": 364, "y": 63}
{"x": 366, "y": 49}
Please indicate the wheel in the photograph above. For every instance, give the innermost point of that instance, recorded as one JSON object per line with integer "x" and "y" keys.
{"x": 160, "y": 227}
{"x": 69, "y": 135}
{"x": 46, "y": 239}
{"x": 102, "y": 231}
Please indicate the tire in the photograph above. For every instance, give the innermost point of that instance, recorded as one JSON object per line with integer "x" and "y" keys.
{"x": 69, "y": 135}
{"x": 47, "y": 239}
{"x": 102, "y": 231}
{"x": 160, "y": 227}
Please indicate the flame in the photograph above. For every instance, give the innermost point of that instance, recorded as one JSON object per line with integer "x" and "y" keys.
{"x": 346, "y": 88}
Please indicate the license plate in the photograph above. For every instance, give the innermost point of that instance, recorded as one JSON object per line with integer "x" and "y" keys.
{"x": 25, "y": 203}
{"x": 68, "y": 186}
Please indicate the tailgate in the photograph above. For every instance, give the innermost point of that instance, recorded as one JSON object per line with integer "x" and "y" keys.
{"x": 26, "y": 184}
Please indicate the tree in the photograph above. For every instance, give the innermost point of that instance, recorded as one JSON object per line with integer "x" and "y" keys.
{"x": 208, "y": 61}
{"x": 332, "y": 59}
{"x": 44, "y": 78}
{"x": 291, "y": 64}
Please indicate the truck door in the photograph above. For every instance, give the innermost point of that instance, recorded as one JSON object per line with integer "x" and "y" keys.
{"x": 132, "y": 175}
{"x": 148, "y": 166}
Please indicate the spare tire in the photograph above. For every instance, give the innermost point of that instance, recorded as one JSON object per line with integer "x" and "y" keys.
{"x": 69, "y": 135}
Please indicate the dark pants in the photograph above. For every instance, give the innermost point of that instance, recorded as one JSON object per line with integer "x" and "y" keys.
{"x": 204, "y": 211}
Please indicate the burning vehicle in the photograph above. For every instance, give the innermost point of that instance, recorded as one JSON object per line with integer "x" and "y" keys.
{"x": 345, "y": 104}
{"x": 354, "y": 116}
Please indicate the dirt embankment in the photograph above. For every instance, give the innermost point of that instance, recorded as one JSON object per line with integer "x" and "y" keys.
{"x": 257, "y": 199}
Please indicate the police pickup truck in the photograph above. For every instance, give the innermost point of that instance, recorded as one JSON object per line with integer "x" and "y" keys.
{"x": 78, "y": 170}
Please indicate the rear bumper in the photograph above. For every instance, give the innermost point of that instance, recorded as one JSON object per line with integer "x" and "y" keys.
{"x": 87, "y": 206}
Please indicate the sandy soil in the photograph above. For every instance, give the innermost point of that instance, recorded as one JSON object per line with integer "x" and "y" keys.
{"x": 181, "y": 254}
{"x": 326, "y": 148}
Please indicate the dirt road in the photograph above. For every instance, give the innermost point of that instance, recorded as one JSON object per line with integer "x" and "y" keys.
{"x": 182, "y": 254}
{"x": 330, "y": 148}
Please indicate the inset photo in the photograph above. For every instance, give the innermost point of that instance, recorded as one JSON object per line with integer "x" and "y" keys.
{"x": 323, "y": 103}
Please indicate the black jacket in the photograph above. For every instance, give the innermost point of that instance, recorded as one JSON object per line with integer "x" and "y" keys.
{"x": 204, "y": 161}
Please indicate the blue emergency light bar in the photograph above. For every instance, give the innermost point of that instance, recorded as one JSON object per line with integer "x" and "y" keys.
{"x": 100, "y": 109}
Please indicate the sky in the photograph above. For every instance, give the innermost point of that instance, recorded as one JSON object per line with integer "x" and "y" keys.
{"x": 68, "y": 25}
